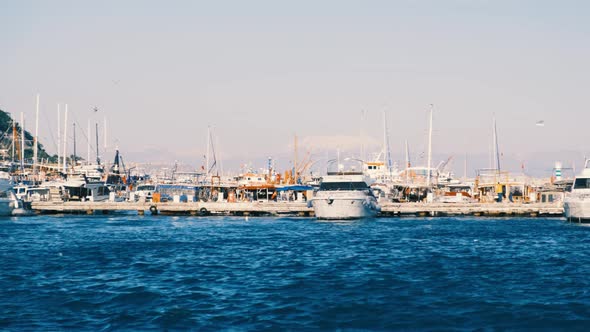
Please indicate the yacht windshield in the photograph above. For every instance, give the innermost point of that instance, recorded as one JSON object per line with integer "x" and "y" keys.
{"x": 343, "y": 186}
{"x": 582, "y": 184}
{"x": 146, "y": 188}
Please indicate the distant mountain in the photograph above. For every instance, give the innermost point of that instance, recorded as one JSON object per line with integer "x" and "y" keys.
{"x": 6, "y": 140}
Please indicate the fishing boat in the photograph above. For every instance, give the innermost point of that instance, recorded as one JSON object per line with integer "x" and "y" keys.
{"x": 577, "y": 203}
{"x": 345, "y": 194}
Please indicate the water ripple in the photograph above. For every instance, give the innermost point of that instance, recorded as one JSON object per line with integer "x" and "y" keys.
{"x": 187, "y": 273}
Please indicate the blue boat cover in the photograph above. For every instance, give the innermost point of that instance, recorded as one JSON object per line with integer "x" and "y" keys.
{"x": 295, "y": 188}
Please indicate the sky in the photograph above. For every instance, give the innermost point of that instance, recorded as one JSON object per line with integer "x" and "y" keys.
{"x": 260, "y": 72}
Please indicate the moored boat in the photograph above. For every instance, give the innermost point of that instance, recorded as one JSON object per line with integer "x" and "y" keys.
{"x": 577, "y": 203}
{"x": 345, "y": 194}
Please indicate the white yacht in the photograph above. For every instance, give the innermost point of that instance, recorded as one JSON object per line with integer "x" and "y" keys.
{"x": 345, "y": 194}
{"x": 577, "y": 203}
{"x": 80, "y": 188}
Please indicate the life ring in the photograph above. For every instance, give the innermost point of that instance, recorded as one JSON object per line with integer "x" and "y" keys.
{"x": 153, "y": 209}
{"x": 203, "y": 212}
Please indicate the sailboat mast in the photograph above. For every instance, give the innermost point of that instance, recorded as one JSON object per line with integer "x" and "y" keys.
{"x": 58, "y": 135}
{"x": 207, "y": 155}
{"x": 65, "y": 145}
{"x": 295, "y": 161}
{"x": 429, "y": 147}
{"x": 36, "y": 139}
{"x": 88, "y": 143}
{"x": 22, "y": 147}
{"x": 496, "y": 147}
{"x": 407, "y": 160}
{"x": 386, "y": 145}
{"x": 14, "y": 138}
{"x": 74, "y": 132}
{"x": 97, "y": 149}
{"x": 465, "y": 169}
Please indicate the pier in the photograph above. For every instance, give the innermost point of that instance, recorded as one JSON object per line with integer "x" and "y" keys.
{"x": 297, "y": 209}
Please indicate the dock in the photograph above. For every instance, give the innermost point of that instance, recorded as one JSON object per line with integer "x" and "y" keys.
{"x": 297, "y": 209}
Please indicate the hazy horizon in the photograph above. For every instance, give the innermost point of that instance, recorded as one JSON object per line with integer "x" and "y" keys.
{"x": 260, "y": 72}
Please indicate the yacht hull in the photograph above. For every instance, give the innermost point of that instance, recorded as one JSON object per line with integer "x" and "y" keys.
{"x": 342, "y": 207}
{"x": 577, "y": 210}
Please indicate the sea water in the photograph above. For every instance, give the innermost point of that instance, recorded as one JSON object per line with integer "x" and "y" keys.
{"x": 214, "y": 273}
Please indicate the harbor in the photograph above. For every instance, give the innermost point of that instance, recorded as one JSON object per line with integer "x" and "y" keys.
{"x": 350, "y": 185}
{"x": 406, "y": 165}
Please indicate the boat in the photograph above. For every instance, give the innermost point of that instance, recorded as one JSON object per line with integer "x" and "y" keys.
{"x": 577, "y": 202}
{"x": 8, "y": 200}
{"x": 144, "y": 192}
{"x": 345, "y": 194}
{"x": 79, "y": 188}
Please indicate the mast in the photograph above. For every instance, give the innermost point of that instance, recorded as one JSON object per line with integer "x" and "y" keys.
{"x": 218, "y": 154}
{"x": 65, "y": 144}
{"x": 386, "y": 145}
{"x": 74, "y": 132}
{"x": 496, "y": 148}
{"x": 88, "y": 143}
{"x": 36, "y": 139}
{"x": 97, "y": 150}
{"x": 14, "y": 138}
{"x": 429, "y": 147}
{"x": 407, "y": 160}
{"x": 465, "y": 169}
{"x": 295, "y": 160}
{"x": 207, "y": 155}
{"x": 105, "y": 137}
{"x": 22, "y": 142}
{"x": 58, "y": 135}
{"x": 212, "y": 140}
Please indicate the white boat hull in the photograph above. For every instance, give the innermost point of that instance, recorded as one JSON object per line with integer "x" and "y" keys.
{"x": 7, "y": 205}
{"x": 338, "y": 207}
{"x": 577, "y": 210}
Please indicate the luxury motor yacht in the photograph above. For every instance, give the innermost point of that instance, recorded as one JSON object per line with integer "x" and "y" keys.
{"x": 345, "y": 193}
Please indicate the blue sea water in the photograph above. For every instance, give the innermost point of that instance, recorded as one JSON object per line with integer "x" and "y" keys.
{"x": 200, "y": 273}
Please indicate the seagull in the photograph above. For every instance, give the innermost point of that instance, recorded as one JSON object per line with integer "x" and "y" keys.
{"x": 540, "y": 123}
{"x": 95, "y": 109}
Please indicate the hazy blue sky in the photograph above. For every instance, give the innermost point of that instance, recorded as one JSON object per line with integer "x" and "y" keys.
{"x": 261, "y": 71}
